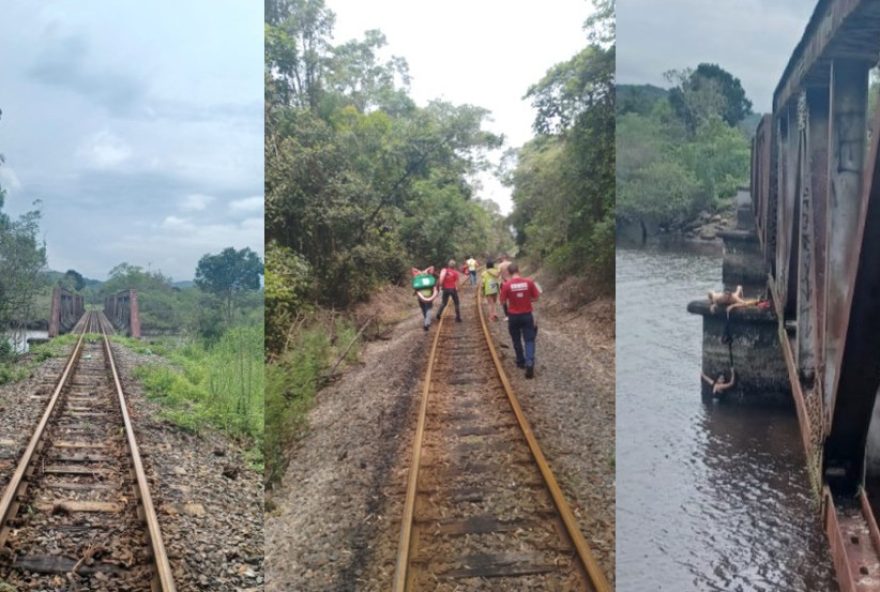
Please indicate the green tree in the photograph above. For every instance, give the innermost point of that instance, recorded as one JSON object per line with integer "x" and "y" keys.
{"x": 563, "y": 180}
{"x": 667, "y": 172}
{"x": 73, "y": 280}
{"x": 706, "y": 92}
{"x": 22, "y": 261}
{"x": 229, "y": 273}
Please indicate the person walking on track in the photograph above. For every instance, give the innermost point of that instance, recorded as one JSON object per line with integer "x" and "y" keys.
{"x": 424, "y": 284}
{"x": 472, "y": 269}
{"x": 491, "y": 283}
{"x": 519, "y": 293}
{"x": 449, "y": 280}
{"x": 505, "y": 275}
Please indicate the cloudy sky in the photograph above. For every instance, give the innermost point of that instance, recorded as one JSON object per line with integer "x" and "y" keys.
{"x": 139, "y": 125}
{"x": 484, "y": 53}
{"x": 752, "y": 39}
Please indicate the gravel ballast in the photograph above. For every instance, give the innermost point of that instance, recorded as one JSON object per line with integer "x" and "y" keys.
{"x": 209, "y": 501}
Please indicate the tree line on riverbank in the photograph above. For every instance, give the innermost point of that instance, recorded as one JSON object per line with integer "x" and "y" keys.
{"x": 684, "y": 150}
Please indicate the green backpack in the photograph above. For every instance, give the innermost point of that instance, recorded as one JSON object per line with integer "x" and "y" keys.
{"x": 423, "y": 281}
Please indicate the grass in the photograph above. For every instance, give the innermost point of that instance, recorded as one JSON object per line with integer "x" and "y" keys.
{"x": 292, "y": 382}
{"x": 219, "y": 386}
{"x": 15, "y": 368}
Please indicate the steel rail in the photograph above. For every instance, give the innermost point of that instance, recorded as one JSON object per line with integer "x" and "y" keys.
{"x": 594, "y": 572}
{"x": 163, "y": 578}
{"x": 400, "y": 571}
{"x": 17, "y": 483}
{"x": 163, "y": 575}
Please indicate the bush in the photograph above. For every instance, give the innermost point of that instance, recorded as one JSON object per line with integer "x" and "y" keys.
{"x": 220, "y": 385}
{"x": 293, "y": 380}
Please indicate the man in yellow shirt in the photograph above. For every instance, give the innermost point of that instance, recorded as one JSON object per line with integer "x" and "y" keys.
{"x": 472, "y": 270}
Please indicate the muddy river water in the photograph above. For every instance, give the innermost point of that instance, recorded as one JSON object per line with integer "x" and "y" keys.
{"x": 709, "y": 496}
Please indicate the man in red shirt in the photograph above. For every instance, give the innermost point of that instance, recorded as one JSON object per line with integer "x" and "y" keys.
{"x": 519, "y": 293}
{"x": 449, "y": 280}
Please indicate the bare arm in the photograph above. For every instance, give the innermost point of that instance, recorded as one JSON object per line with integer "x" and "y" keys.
{"x": 723, "y": 386}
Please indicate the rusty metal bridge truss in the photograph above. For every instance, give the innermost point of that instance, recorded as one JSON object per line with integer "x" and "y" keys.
{"x": 816, "y": 193}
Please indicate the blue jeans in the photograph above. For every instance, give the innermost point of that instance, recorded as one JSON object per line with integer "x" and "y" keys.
{"x": 473, "y": 275}
{"x": 426, "y": 312}
{"x": 522, "y": 328}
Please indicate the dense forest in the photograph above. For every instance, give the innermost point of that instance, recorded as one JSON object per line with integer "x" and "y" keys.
{"x": 563, "y": 179}
{"x": 684, "y": 150}
{"x": 362, "y": 184}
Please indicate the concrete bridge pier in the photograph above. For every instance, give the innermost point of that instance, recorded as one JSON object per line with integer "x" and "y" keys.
{"x": 748, "y": 340}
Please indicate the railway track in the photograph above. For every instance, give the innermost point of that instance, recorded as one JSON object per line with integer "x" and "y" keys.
{"x": 76, "y": 513}
{"x": 483, "y": 510}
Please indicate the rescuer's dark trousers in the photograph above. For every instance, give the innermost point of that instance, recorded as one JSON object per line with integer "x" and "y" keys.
{"x": 447, "y": 294}
{"x": 522, "y": 329}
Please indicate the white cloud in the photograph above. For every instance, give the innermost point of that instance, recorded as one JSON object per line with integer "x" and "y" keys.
{"x": 8, "y": 179}
{"x": 248, "y": 204}
{"x": 195, "y": 202}
{"x": 104, "y": 150}
{"x": 175, "y": 223}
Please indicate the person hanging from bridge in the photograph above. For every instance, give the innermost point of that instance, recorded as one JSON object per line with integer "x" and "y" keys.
{"x": 424, "y": 284}
{"x": 490, "y": 281}
{"x": 519, "y": 293}
{"x": 720, "y": 384}
{"x": 472, "y": 269}
{"x": 449, "y": 281}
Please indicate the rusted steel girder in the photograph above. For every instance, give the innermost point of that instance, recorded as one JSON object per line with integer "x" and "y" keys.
{"x": 123, "y": 312}
{"x": 838, "y": 29}
{"x": 847, "y": 133}
{"x": 67, "y": 308}
{"x": 858, "y": 359}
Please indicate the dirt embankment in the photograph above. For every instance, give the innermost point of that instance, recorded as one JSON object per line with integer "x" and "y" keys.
{"x": 334, "y": 522}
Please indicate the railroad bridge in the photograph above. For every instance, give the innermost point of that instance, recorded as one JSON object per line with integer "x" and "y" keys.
{"x": 121, "y": 309}
{"x": 815, "y": 194}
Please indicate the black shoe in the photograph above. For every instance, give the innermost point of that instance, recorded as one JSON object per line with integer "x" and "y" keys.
{"x": 458, "y": 320}
{"x": 530, "y": 371}
{"x": 426, "y": 327}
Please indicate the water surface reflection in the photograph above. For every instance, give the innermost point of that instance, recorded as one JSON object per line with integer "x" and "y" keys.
{"x": 709, "y": 496}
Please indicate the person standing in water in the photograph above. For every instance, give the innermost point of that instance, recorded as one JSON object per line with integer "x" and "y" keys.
{"x": 425, "y": 286}
{"x": 449, "y": 280}
{"x": 519, "y": 293}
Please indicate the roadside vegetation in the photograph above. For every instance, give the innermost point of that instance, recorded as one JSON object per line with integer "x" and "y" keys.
{"x": 210, "y": 370}
{"x": 681, "y": 151}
